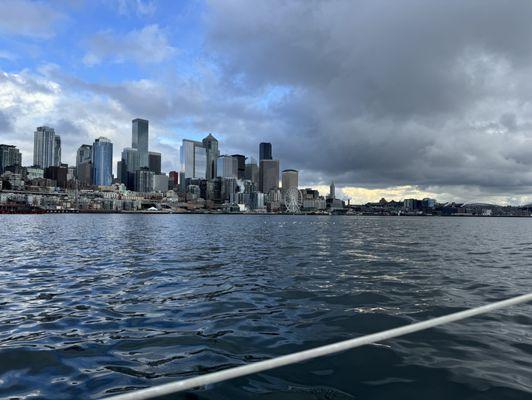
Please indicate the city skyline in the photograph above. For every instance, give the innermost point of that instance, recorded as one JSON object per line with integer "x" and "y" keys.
{"x": 454, "y": 124}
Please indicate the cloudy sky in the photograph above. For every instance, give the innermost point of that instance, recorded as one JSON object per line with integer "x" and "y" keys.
{"x": 388, "y": 98}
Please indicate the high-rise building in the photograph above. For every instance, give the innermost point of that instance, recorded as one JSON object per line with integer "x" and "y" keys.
{"x": 140, "y": 141}
{"x": 144, "y": 180}
{"x": 9, "y": 155}
{"x": 155, "y": 162}
{"x": 44, "y": 147}
{"x": 130, "y": 164}
{"x": 289, "y": 179}
{"x": 226, "y": 167}
{"x": 241, "y": 165}
{"x": 57, "y": 150}
{"x": 102, "y": 162}
{"x": 211, "y": 147}
{"x": 84, "y": 165}
{"x": 332, "y": 191}
{"x": 265, "y": 151}
{"x": 193, "y": 159}
{"x": 252, "y": 171}
{"x": 268, "y": 175}
{"x": 58, "y": 174}
{"x": 160, "y": 183}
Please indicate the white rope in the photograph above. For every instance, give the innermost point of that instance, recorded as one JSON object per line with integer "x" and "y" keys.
{"x": 253, "y": 368}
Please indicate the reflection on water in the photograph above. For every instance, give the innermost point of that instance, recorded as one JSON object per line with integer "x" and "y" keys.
{"x": 97, "y": 304}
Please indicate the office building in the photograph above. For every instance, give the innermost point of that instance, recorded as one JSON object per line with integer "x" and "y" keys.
{"x": 34, "y": 173}
{"x": 227, "y": 167}
{"x": 57, "y": 174}
{"x": 332, "y": 191}
{"x": 102, "y": 162}
{"x": 144, "y": 180}
{"x": 84, "y": 164}
{"x": 160, "y": 183}
{"x": 268, "y": 175}
{"x": 44, "y": 147}
{"x": 140, "y": 135}
{"x": 265, "y": 151}
{"x": 211, "y": 148}
{"x": 241, "y": 165}
{"x": 9, "y": 155}
{"x": 155, "y": 162}
{"x": 193, "y": 159}
{"x": 129, "y": 164}
{"x": 252, "y": 171}
{"x": 289, "y": 179}
{"x": 57, "y": 150}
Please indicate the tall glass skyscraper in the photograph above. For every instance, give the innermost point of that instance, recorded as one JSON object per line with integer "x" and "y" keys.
{"x": 265, "y": 151}
{"x": 211, "y": 147}
{"x": 193, "y": 157}
{"x": 140, "y": 141}
{"x": 57, "y": 150}
{"x": 9, "y": 155}
{"x": 102, "y": 162}
{"x": 44, "y": 147}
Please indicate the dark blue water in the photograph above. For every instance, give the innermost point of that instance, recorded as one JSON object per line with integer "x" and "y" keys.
{"x": 93, "y": 305}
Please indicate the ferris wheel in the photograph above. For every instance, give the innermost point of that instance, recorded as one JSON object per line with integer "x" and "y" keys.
{"x": 293, "y": 200}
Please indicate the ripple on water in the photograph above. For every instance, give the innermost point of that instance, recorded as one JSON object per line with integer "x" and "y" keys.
{"x": 93, "y": 305}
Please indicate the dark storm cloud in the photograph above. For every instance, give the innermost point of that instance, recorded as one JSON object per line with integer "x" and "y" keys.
{"x": 388, "y": 92}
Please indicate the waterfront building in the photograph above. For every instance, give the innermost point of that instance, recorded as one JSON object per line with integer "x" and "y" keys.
{"x": 9, "y": 155}
{"x": 44, "y": 147}
{"x": 140, "y": 135}
{"x": 102, "y": 162}
{"x": 252, "y": 171}
{"x": 265, "y": 151}
{"x": 155, "y": 162}
{"x": 210, "y": 143}
{"x": 144, "y": 180}
{"x": 241, "y": 165}
{"x": 226, "y": 167}
{"x": 193, "y": 159}
{"x": 160, "y": 183}
{"x": 57, "y": 150}
{"x": 268, "y": 175}
{"x": 290, "y": 179}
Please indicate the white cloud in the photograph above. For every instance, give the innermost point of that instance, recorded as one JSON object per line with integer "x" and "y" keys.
{"x": 28, "y": 18}
{"x": 146, "y": 46}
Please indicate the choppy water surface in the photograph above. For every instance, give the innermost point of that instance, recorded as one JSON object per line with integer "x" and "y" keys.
{"x": 95, "y": 305}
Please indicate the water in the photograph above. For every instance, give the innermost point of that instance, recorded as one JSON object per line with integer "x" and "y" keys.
{"x": 93, "y": 305}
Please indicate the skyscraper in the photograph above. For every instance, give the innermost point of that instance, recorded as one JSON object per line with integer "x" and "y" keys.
{"x": 290, "y": 178}
{"x": 57, "y": 150}
{"x": 193, "y": 159}
{"x": 130, "y": 164}
{"x": 84, "y": 164}
{"x": 102, "y": 162}
{"x": 9, "y": 155}
{"x": 140, "y": 141}
{"x": 268, "y": 175}
{"x": 155, "y": 162}
{"x": 241, "y": 165}
{"x": 211, "y": 147}
{"x": 44, "y": 147}
{"x": 265, "y": 151}
{"x": 226, "y": 167}
{"x": 332, "y": 191}
{"x": 144, "y": 180}
{"x": 252, "y": 171}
